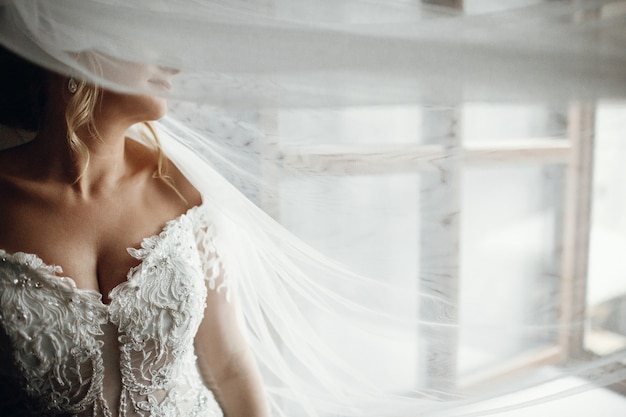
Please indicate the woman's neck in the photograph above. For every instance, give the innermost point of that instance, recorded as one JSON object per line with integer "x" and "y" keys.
{"x": 98, "y": 169}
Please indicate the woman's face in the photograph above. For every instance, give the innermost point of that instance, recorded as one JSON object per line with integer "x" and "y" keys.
{"x": 149, "y": 85}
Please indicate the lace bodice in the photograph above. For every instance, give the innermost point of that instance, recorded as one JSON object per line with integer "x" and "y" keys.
{"x": 66, "y": 352}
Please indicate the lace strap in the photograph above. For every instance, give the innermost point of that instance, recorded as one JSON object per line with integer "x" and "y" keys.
{"x": 206, "y": 236}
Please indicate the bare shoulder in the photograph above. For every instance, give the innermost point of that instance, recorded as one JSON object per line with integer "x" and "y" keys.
{"x": 20, "y": 198}
{"x": 182, "y": 184}
{"x": 171, "y": 181}
{"x": 14, "y": 175}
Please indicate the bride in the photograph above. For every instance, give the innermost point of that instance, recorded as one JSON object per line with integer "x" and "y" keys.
{"x": 113, "y": 298}
{"x": 136, "y": 279}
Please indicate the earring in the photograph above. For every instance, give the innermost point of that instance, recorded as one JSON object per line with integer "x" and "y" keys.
{"x": 72, "y": 85}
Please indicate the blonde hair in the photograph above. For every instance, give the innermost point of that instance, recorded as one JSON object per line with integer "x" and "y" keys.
{"x": 79, "y": 113}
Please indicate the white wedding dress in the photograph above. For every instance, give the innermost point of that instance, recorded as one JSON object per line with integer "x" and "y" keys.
{"x": 65, "y": 352}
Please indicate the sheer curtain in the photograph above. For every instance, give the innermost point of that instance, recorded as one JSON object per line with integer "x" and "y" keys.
{"x": 506, "y": 249}
{"x": 451, "y": 169}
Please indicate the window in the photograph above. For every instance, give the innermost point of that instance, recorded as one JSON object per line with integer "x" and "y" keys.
{"x": 530, "y": 210}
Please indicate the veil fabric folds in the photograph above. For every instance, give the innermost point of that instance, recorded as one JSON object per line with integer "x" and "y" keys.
{"x": 320, "y": 53}
{"x": 419, "y": 202}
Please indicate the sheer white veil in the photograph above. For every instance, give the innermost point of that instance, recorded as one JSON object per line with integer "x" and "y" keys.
{"x": 349, "y": 326}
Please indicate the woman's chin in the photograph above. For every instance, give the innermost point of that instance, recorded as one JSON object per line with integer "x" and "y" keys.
{"x": 139, "y": 108}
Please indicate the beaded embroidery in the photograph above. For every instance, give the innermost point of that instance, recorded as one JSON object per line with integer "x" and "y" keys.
{"x": 55, "y": 332}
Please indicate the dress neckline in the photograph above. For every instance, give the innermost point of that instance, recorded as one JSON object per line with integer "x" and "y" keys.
{"x": 53, "y": 272}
